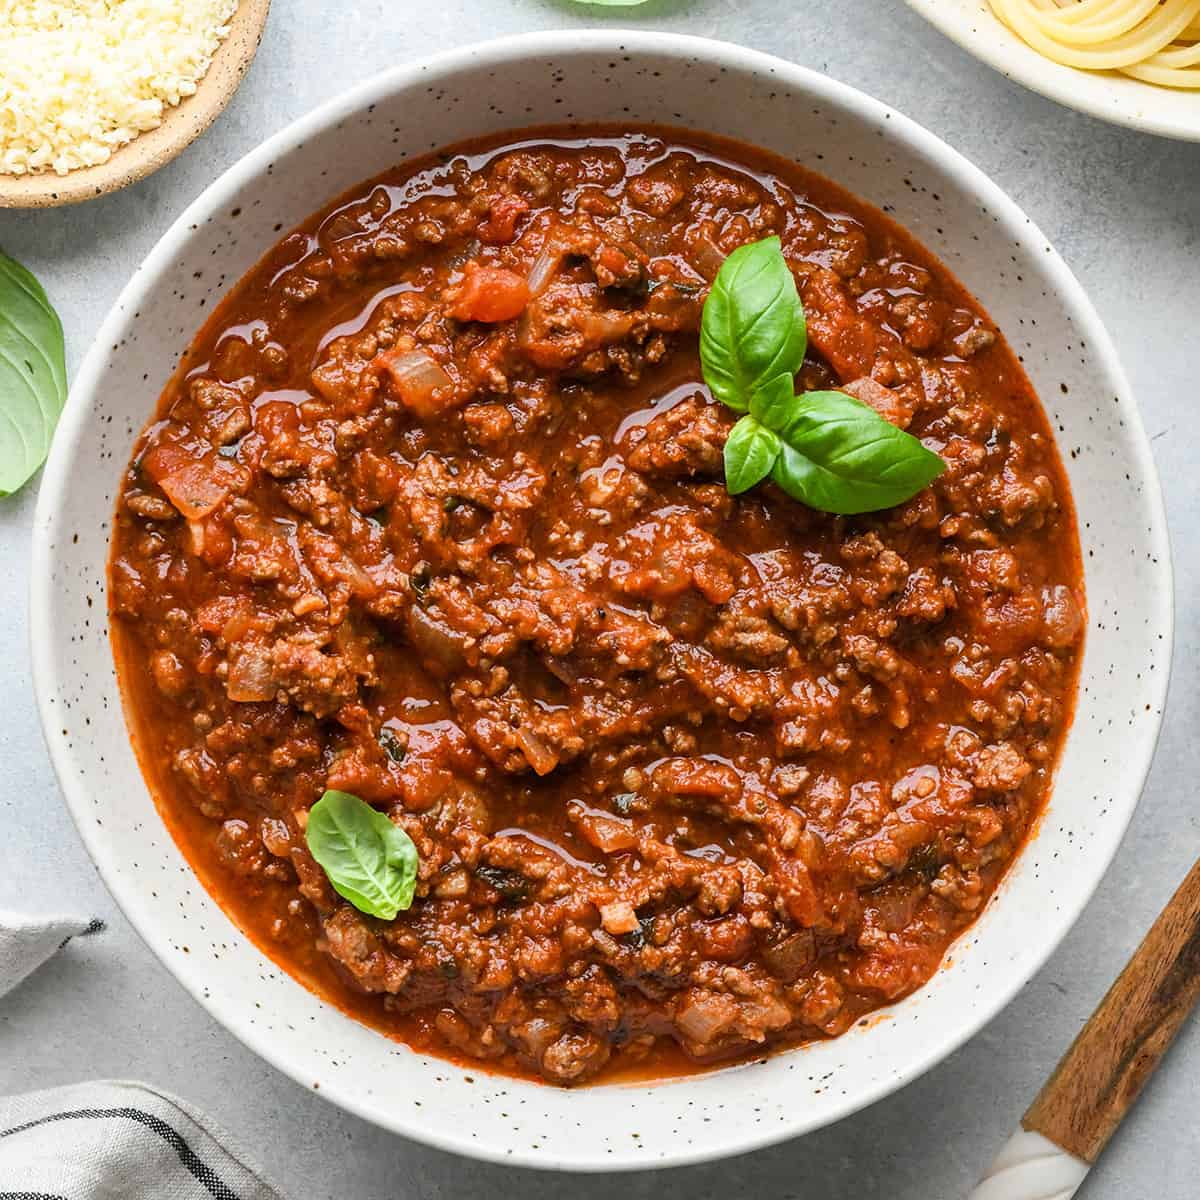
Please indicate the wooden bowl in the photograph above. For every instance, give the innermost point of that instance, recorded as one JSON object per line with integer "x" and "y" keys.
{"x": 181, "y": 125}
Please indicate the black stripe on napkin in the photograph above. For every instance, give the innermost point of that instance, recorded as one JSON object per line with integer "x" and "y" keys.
{"x": 95, "y": 925}
{"x": 203, "y": 1173}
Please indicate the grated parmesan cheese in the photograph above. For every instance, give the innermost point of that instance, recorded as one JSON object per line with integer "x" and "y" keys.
{"x": 80, "y": 78}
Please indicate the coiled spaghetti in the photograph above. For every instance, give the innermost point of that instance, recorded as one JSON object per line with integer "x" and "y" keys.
{"x": 1157, "y": 41}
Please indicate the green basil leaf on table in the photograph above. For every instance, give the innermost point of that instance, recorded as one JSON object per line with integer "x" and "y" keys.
{"x": 752, "y": 330}
{"x": 750, "y": 453}
{"x": 840, "y": 456}
{"x": 370, "y": 861}
{"x": 33, "y": 374}
{"x": 825, "y": 449}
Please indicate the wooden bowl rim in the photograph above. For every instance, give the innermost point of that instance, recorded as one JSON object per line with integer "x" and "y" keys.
{"x": 181, "y": 125}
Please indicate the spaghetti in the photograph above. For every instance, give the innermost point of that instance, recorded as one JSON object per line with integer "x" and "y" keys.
{"x": 1157, "y": 41}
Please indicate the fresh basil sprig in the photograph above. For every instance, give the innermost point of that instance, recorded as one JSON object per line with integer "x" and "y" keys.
{"x": 370, "y": 861}
{"x": 826, "y": 449}
{"x": 33, "y": 374}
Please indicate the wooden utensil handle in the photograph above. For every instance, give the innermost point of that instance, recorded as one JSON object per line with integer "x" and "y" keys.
{"x": 1108, "y": 1064}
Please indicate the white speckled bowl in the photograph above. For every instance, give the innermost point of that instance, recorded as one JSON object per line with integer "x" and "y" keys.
{"x": 877, "y": 154}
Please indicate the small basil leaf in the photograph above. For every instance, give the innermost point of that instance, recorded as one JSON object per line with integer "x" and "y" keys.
{"x": 750, "y": 453}
{"x": 33, "y": 374}
{"x": 840, "y": 456}
{"x": 752, "y": 329}
{"x": 370, "y": 862}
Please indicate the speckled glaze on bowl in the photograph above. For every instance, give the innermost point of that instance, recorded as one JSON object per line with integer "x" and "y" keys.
{"x": 877, "y": 154}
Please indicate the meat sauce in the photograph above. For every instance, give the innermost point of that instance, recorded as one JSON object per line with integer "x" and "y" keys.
{"x": 434, "y": 513}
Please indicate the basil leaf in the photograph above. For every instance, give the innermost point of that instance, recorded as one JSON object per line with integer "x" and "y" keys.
{"x": 370, "y": 862}
{"x": 826, "y": 449}
{"x": 773, "y": 404}
{"x": 33, "y": 374}
{"x": 752, "y": 330}
{"x": 840, "y": 456}
{"x": 750, "y": 453}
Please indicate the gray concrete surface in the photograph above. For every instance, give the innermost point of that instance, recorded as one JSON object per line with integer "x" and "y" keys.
{"x": 1124, "y": 209}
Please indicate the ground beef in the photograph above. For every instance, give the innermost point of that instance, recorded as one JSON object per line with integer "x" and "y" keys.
{"x": 437, "y": 516}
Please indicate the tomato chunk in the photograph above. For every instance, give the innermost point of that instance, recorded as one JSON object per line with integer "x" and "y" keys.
{"x": 490, "y": 294}
{"x": 501, "y": 225}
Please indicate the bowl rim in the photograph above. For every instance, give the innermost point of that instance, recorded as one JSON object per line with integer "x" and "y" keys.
{"x": 500, "y": 52}
{"x": 1098, "y": 94}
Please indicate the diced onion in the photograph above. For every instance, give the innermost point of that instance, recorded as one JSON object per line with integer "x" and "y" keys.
{"x": 417, "y": 376}
{"x": 707, "y": 257}
{"x": 440, "y": 646}
{"x": 251, "y": 675}
{"x": 706, "y": 1016}
{"x": 539, "y": 756}
{"x": 609, "y": 835}
{"x": 196, "y": 537}
{"x": 361, "y": 584}
{"x": 238, "y": 623}
{"x": 195, "y": 489}
{"x": 604, "y": 328}
{"x": 545, "y": 265}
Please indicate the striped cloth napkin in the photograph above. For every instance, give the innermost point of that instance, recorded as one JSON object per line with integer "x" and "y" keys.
{"x": 106, "y": 1139}
{"x": 26, "y": 943}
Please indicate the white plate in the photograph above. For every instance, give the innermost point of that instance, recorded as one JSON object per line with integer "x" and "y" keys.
{"x": 1171, "y": 112}
{"x": 879, "y": 155}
